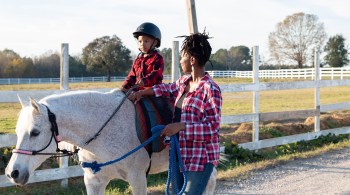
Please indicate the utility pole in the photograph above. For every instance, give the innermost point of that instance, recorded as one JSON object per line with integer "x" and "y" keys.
{"x": 192, "y": 23}
{"x": 192, "y": 18}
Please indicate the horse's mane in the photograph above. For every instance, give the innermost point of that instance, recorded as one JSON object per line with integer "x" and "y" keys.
{"x": 84, "y": 97}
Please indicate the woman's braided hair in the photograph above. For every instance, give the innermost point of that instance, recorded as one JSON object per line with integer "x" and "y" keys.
{"x": 197, "y": 45}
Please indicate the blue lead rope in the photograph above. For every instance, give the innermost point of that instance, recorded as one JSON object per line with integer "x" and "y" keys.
{"x": 175, "y": 161}
{"x": 96, "y": 167}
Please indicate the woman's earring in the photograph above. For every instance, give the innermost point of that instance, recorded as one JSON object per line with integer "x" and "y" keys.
{"x": 192, "y": 67}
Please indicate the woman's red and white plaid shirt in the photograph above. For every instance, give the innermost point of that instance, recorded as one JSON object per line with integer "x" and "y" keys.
{"x": 201, "y": 111}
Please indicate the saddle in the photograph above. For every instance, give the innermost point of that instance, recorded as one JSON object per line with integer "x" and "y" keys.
{"x": 152, "y": 111}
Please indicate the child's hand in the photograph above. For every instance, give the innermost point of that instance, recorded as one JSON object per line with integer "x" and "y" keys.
{"x": 124, "y": 90}
{"x": 131, "y": 96}
{"x": 140, "y": 83}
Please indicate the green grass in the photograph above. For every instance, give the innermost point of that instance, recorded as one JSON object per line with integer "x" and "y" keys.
{"x": 282, "y": 100}
{"x": 8, "y": 116}
{"x": 233, "y": 103}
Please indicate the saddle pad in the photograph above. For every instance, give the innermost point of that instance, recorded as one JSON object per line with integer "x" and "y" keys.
{"x": 151, "y": 111}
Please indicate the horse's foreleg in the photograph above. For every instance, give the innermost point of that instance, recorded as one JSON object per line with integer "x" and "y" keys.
{"x": 138, "y": 183}
{"x": 210, "y": 189}
{"x": 95, "y": 185}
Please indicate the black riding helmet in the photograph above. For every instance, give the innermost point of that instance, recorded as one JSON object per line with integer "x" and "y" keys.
{"x": 149, "y": 29}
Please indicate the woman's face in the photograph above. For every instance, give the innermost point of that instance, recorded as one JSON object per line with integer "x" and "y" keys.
{"x": 185, "y": 63}
{"x": 145, "y": 43}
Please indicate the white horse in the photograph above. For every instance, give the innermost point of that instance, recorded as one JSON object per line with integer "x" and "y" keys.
{"x": 79, "y": 115}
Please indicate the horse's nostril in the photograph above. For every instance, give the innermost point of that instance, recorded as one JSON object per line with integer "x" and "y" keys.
{"x": 14, "y": 174}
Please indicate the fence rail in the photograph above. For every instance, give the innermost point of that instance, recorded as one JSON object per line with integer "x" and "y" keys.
{"x": 305, "y": 73}
{"x": 12, "y": 81}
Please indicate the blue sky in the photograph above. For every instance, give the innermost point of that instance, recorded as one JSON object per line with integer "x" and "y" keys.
{"x": 34, "y": 27}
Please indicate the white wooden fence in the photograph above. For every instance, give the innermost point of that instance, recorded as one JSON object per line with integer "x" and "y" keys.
{"x": 12, "y": 81}
{"x": 256, "y": 117}
{"x": 304, "y": 73}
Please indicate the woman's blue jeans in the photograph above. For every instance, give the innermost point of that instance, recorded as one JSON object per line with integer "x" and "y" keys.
{"x": 197, "y": 180}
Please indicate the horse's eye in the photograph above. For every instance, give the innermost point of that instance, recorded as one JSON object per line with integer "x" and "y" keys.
{"x": 34, "y": 133}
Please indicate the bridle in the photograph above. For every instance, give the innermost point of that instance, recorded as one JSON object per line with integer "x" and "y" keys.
{"x": 57, "y": 137}
{"x": 54, "y": 135}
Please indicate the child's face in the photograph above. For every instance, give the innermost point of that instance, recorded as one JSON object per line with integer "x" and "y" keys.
{"x": 185, "y": 63}
{"x": 146, "y": 43}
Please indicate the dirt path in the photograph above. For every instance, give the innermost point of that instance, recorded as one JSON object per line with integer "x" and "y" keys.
{"x": 325, "y": 174}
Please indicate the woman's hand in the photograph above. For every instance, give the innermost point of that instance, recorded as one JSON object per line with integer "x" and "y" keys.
{"x": 172, "y": 129}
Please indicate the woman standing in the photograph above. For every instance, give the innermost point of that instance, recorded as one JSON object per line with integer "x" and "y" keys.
{"x": 197, "y": 113}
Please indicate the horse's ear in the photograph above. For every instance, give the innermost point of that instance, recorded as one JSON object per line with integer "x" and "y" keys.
{"x": 35, "y": 104}
{"x": 20, "y": 101}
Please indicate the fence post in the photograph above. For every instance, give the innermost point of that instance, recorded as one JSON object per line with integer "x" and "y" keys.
{"x": 332, "y": 73}
{"x": 341, "y": 73}
{"x": 64, "y": 64}
{"x": 256, "y": 93}
{"x": 64, "y": 76}
{"x": 317, "y": 90}
{"x": 175, "y": 71}
{"x": 63, "y": 163}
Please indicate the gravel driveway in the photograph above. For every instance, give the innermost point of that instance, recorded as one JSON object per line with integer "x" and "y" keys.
{"x": 325, "y": 174}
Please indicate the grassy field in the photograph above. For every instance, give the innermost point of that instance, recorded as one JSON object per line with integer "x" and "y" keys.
{"x": 233, "y": 103}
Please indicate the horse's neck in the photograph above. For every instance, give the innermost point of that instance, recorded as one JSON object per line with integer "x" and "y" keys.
{"x": 79, "y": 120}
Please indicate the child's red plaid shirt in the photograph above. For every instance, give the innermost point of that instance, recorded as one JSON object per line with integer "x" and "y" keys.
{"x": 149, "y": 69}
{"x": 201, "y": 111}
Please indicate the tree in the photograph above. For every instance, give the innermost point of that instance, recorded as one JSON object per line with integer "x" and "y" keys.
{"x": 28, "y": 64}
{"x": 295, "y": 39}
{"x": 107, "y": 55}
{"x": 240, "y": 57}
{"x": 77, "y": 68}
{"x": 236, "y": 58}
{"x": 47, "y": 65}
{"x": 221, "y": 59}
{"x": 167, "y": 56}
{"x": 337, "y": 53}
{"x": 11, "y": 64}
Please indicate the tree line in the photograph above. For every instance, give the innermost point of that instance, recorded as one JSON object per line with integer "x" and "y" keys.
{"x": 291, "y": 45}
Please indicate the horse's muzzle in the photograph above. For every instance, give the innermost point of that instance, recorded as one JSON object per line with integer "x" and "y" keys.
{"x": 19, "y": 177}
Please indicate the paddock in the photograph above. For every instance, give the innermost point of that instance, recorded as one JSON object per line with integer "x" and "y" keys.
{"x": 65, "y": 171}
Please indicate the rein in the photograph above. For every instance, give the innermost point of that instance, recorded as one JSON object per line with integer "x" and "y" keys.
{"x": 112, "y": 115}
